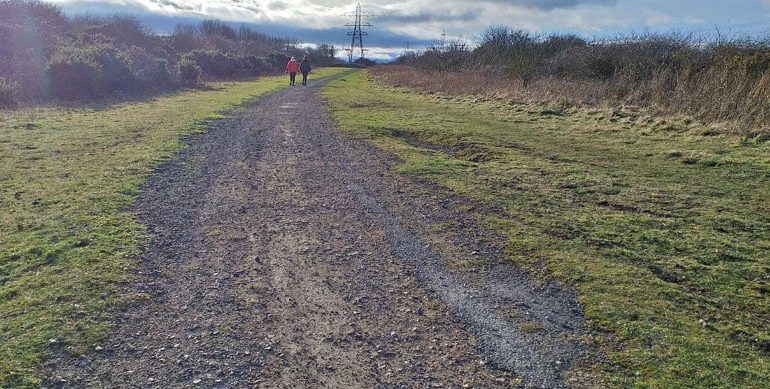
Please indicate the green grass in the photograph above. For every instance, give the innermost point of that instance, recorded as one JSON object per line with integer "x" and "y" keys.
{"x": 662, "y": 226}
{"x": 68, "y": 237}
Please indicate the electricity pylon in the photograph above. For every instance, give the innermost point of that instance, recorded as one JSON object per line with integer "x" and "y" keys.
{"x": 358, "y": 34}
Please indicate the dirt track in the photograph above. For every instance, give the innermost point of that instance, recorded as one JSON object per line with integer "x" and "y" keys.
{"x": 284, "y": 254}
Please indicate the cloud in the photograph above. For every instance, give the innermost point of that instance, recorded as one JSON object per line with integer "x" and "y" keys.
{"x": 399, "y": 21}
{"x": 325, "y": 13}
{"x": 419, "y": 16}
{"x": 692, "y": 20}
{"x": 220, "y": 9}
{"x": 552, "y": 4}
{"x": 277, "y": 6}
{"x": 409, "y": 20}
{"x": 655, "y": 18}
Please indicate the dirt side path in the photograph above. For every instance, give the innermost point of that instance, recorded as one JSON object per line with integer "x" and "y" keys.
{"x": 284, "y": 254}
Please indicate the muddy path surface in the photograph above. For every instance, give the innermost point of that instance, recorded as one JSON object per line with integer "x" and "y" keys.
{"x": 285, "y": 254}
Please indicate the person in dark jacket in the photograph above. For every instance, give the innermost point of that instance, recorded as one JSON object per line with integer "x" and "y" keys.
{"x": 304, "y": 67}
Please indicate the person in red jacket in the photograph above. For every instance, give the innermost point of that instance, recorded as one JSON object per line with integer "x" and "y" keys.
{"x": 292, "y": 68}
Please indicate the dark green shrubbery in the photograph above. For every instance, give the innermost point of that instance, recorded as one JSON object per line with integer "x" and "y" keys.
{"x": 45, "y": 54}
{"x": 189, "y": 72}
{"x": 216, "y": 63}
{"x": 277, "y": 60}
{"x": 254, "y": 66}
{"x": 89, "y": 72}
{"x": 150, "y": 71}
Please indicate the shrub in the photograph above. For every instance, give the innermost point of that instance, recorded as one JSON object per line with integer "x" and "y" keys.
{"x": 115, "y": 69}
{"x": 219, "y": 29}
{"x": 189, "y": 72}
{"x": 9, "y": 92}
{"x": 95, "y": 71}
{"x": 73, "y": 75}
{"x": 152, "y": 72}
{"x": 21, "y": 62}
{"x": 45, "y": 54}
{"x": 124, "y": 30}
{"x": 215, "y": 63}
{"x": 163, "y": 75}
{"x": 35, "y": 23}
{"x": 186, "y": 38}
{"x": 254, "y": 65}
{"x": 323, "y": 55}
{"x": 719, "y": 81}
{"x": 277, "y": 61}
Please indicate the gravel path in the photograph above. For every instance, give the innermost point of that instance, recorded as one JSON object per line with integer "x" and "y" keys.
{"x": 284, "y": 254}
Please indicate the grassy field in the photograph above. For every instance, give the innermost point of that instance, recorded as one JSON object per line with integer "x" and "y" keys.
{"x": 68, "y": 237}
{"x": 661, "y": 224}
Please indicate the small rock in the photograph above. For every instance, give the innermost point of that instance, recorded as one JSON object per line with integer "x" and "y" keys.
{"x": 52, "y": 340}
{"x": 197, "y": 381}
{"x": 98, "y": 348}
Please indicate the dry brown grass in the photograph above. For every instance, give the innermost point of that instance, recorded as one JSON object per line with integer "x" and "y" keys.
{"x": 732, "y": 96}
{"x": 549, "y": 90}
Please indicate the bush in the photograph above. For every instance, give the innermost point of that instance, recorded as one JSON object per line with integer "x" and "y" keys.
{"x": 216, "y": 28}
{"x": 189, "y": 72}
{"x": 277, "y": 61}
{"x": 149, "y": 70}
{"x": 718, "y": 81}
{"x": 122, "y": 30}
{"x": 9, "y": 92}
{"x": 215, "y": 63}
{"x": 95, "y": 71}
{"x": 45, "y": 54}
{"x": 254, "y": 65}
{"x": 73, "y": 75}
{"x": 35, "y": 23}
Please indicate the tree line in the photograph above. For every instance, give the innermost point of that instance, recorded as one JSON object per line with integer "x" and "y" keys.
{"x": 717, "y": 79}
{"x": 46, "y": 55}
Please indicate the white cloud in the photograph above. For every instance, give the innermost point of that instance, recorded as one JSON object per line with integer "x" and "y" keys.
{"x": 655, "y": 18}
{"x": 415, "y": 17}
{"x": 427, "y": 19}
{"x": 692, "y": 20}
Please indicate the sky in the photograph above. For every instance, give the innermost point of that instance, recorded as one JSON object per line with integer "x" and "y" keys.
{"x": 420, "y": 23}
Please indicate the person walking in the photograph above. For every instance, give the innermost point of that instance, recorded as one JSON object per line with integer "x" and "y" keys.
{"x": 292, "y": 67}
{"x": 304, "y": 67}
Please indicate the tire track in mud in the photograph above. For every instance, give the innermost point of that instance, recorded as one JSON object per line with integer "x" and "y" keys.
{"x": 278, "y": 257}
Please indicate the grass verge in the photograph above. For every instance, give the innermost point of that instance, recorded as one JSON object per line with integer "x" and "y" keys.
{"x": 68, "y": 237}
{"x": 659, "y": 223}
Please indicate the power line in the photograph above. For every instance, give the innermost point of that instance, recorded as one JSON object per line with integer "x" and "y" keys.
{"x": 358, "y": 33}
